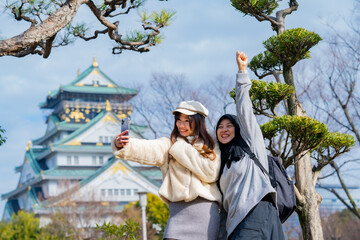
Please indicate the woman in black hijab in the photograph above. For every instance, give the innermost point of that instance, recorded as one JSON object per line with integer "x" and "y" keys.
{"x": 247, "y": 195}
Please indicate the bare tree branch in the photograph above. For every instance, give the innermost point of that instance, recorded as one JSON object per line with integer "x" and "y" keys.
{"x": 60, "y": 14}
{"x": 353, "y": 208}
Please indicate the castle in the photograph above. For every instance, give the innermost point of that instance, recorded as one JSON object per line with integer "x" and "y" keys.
{"x": 71, "y": 167}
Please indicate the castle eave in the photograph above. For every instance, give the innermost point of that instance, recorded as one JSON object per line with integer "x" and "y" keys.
{"x": 21, "y": 189}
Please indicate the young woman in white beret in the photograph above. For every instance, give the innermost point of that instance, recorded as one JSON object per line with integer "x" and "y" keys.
{"x": 189, "y": 161}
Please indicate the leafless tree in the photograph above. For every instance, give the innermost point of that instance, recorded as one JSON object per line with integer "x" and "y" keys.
{"x": 160, "y": 96}
{"x": 76, "y": 218}
{"x": 340, "y": 226}
{"x": 333, "y": 95}
{"x": 217, "y": 93}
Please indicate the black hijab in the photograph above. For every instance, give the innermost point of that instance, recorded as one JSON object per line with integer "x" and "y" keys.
{"x": 231, "y": 151}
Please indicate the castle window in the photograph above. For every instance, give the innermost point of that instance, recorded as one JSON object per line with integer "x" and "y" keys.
{"x": 101, "y": 160}
{"x": 116, "y": 192}
{"x": 76, "y": 160}
{"x": 110, "y": 192}
{"x": 93, "y": 160}
{"x": 100, "y": 139}
{"x": 128, "y": 192}
{"x": 106, "y": 139}
{"x": 122, "y": 192}
{"x": 103, "y": 192}
{"x": 68, "y": 160}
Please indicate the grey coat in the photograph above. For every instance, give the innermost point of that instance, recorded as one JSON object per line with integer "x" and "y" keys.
{"x": 243, "y": 184}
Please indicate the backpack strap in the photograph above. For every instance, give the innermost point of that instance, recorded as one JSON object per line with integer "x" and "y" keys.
{"x": 252, "y": 155}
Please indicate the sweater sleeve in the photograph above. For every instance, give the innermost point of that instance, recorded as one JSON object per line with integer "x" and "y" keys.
{"x": 205, "y": 169}
{"x": 249, "y": 127}
{"x": 149, "y": 152}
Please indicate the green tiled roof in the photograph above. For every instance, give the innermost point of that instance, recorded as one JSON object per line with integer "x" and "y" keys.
{"x": 65, "y": 126}
{"x": 48, "y": 134}
{"x": 88, "y": 71}
{"x": 99, "y": 90}
{"x": 58, "y": 172}
{"x": 33, "y": 196}
{"x": 83, "y": 128}
{"x": 147, "y": 175}
{"x": 138, "y": 128}
{"x": 20, "y": 188}
{"x": 152, "y": 173}
{"x": 83, "y": 147}
{"x": 36, "y": 151}
{"x": 8, "y": 208}
{"x": 72, "y": 87}
{"x": 53, "y": 93}
{"x": 18, "y": 168}
{"x": 110, "y": 162}
{"x": 75, "y": 126}
{"x": 53, "y": 118}
{"x": 30, "y": 156}
{"x": 98, "y": 171}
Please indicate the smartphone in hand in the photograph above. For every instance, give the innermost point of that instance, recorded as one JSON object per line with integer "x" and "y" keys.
{"x": 125, "y": 124}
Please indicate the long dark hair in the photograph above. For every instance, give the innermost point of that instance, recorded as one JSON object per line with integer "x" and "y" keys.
{"x": 200, "y": 132}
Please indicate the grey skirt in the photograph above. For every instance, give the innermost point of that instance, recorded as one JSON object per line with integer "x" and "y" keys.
{"x": 198, "y": 220}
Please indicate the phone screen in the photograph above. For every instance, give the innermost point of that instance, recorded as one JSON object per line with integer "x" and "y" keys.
{"x": 125, "y": 125}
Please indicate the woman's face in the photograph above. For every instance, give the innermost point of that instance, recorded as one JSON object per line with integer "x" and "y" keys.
{"x": 226, "y": 131}
{"x": 184, "y": 127}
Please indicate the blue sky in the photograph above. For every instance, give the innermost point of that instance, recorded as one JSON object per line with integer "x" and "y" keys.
{"x": 201, "y": 44}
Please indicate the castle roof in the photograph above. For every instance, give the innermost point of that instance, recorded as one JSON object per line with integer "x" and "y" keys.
{"x": 112, "y": 166}
{"x": 78, "y": 128}
{"x": 71, "y": 143}
{"x": 91, "y": 81}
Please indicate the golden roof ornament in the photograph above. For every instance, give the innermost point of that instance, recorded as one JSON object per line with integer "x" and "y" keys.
{"x": 108, "y": 106}
{"x": 95, "y": 64}
{"x": 29, "y": 145}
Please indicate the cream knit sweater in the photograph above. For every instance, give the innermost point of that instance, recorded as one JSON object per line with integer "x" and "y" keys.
{"x": 186, "y": 176}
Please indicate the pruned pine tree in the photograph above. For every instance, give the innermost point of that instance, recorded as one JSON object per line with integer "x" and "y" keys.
{"x": 294, "y": 135}
{"x": 2, "y": 137}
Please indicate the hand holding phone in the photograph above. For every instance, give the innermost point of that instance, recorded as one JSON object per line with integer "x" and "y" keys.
{"x": 125, "y": 125}
{"x": 123, "y": 138}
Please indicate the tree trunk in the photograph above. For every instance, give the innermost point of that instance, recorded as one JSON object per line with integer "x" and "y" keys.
{"x": 308, "y": 206}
